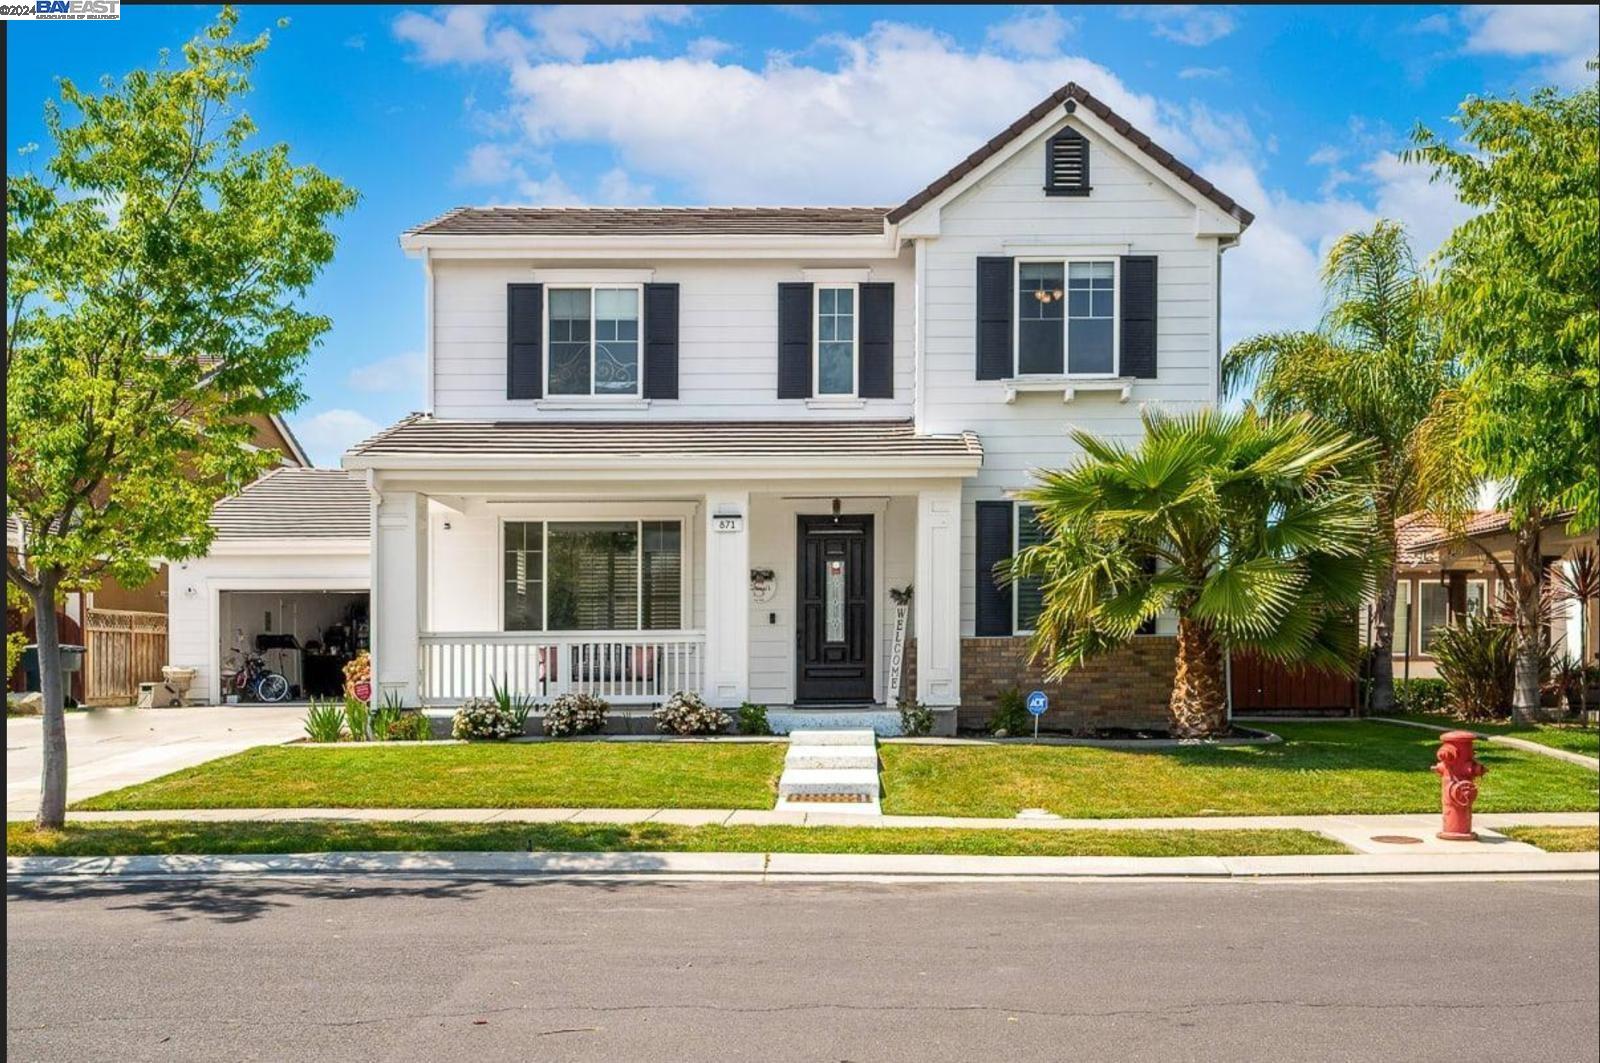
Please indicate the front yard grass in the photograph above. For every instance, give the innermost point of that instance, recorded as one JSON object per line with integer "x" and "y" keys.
{"x": 1558, "y": 839}
{"x": 1572, "y": 737}
{"x": 1319, "y": 768}
{"x": 171, "y": 837}
{"x": 520, "y": 775}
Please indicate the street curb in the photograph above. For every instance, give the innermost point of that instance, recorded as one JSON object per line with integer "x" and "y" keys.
{"x": 1511, "y": 741}
{"x": 802, "y": 866}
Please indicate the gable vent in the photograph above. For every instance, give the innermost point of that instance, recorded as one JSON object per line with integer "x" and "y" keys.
{"x": 1067, "y": 164}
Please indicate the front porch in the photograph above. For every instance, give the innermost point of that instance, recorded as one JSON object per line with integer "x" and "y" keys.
{"x": 764, "y": 581}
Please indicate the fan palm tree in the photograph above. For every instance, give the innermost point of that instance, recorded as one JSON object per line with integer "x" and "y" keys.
{"x": 1375, "y": 369}
{"x": 1256, "y": 531}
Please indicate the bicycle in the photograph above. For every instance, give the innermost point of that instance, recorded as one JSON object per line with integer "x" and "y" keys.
{"x": 253, "y": 678}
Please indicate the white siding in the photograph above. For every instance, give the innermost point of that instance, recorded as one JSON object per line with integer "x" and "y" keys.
{"x": 1002, "y": 215}
{"x": 727, "y": 340}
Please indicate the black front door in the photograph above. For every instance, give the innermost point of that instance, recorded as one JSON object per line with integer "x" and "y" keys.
{"x": 834, "y": 633}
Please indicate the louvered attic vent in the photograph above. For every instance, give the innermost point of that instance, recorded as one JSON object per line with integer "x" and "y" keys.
{"x": 1067, "y": 164}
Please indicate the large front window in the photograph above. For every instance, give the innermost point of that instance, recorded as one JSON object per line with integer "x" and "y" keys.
{"x": 594, "y": 341}
{"x": 1066, "y": 318}
{"x": 599, "y": 575}
{"x": 836, "y": 341}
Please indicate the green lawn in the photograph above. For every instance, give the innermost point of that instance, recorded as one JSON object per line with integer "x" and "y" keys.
{"x": 521, "y": 775}
{"x": 1334, "y": 768}
{"x": 122, "y": 839}
{"x": 1572, "y": 737}
{"x": 1558, "y": 839}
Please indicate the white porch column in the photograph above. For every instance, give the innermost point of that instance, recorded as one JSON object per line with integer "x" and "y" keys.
{"x": 937, "y": 596}
{"x": 399, "y": 594}
{"x": 727, "y": 531}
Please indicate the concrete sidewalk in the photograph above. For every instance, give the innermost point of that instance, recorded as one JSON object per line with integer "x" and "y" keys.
{"x": 1410, "y": 834}
{"x": 772, "y": 867}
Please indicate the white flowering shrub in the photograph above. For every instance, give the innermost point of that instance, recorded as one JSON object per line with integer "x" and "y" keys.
{"x": 915, "y": 718}
{"x": 480, "y": 718}
{"x": 686, "y": 713}
{"x": 575, "y": 714}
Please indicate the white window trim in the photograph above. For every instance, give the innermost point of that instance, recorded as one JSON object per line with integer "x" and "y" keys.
{"x": 594, "y": 345}
{"x": 685, "y": 575}
{"x": 1065, "y": 262}
{"x": 816, "y": 341}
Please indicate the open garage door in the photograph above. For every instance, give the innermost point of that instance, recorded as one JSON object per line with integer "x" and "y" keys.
{"x": 306, "y": 637}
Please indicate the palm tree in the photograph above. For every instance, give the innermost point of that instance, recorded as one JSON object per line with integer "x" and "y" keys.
{"x": 1375, "y": 369}
{"x": 1256, "y": 531}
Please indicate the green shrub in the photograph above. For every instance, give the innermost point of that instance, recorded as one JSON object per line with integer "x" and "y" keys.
{"x": 482, "y": 718}
{"x": 575, "y": 714}
{"x": 1010, "y": 715}
{"x": 686, "y": 713}
{"x": 324, "y": 721}
{"x": 1476, "y": 659}
{"x": 358, "y": 719}
{"x": 407, "y": 727}
{"x": 515, "y": 706}
{"x": 915, "y": 718}
{"x": 1421, "y": 695}
{"x": 753, "y": 720}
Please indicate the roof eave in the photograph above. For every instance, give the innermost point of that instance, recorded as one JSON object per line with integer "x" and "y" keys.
{"x": 675, "y": 466}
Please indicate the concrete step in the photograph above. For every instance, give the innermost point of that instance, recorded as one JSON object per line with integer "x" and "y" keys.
{"x": 831, "y": 757}
{"x": 797, "y": 781}
{"x": 787, "y": 721}
{"x": 810, "y": 737}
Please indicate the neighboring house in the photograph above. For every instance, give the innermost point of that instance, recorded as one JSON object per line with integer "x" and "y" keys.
{"x": 697, "y": 448}
{"x": 133, "y": 620}
{"x": 1444, "y": 575}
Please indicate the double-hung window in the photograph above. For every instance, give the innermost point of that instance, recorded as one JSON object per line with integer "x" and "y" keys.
{"x": 837, "y": 340}
{"x": 593, "y": 575}
{"x": 1066, "y": 317}
{"x": 1433, "y": 609}
{"x": 593, "y": 340}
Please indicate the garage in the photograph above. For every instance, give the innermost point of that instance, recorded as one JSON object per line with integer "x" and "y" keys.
{"x": 287, "y": 579}
{"x": 306, "y": 637}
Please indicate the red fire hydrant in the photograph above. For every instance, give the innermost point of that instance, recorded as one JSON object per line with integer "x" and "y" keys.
{"x": 1458, "y": 772}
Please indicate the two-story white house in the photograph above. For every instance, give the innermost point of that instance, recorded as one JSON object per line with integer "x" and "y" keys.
{"x": 699, "y": 448}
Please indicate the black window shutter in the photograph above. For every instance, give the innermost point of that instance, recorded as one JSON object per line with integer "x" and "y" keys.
{"x": 1149, "y": 626}
{"x": 877, "y": 341}
{"x": 660, "y": 341}
{"x": 524, "y": 341}
{"x": 1139, "y": 316}
{"x": 794, "y": 341}
{"x": 995, "y": 298}
{"x": 993, "y": 526}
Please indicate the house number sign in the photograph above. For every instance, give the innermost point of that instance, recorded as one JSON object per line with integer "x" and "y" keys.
{"x": 732, "y": 523}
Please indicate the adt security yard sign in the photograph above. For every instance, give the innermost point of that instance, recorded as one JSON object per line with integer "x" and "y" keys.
{"x": 1038, "y": 702}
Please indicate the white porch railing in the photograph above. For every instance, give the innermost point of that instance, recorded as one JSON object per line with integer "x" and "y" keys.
{"x": 624, "y": 667}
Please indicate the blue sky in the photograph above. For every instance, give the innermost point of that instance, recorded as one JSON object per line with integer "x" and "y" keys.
{"x": 1295, "y": 111}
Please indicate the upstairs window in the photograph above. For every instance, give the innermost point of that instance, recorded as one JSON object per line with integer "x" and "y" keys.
{"x": 593, "y": 341}
{"x": 1066, "y": 168}
{"x": 1066, "y": 317}
{"x": 837, "y": 336}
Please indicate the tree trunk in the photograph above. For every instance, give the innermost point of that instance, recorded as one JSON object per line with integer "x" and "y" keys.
{"x": 1199, "y": 704}
{"x": 1528, "y": 574}
{"x": 53, "y": 781}
{"x": 1382, "y": 701}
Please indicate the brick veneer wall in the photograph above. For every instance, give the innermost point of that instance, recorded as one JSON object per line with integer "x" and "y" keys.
{"x": 1125, "y": 689}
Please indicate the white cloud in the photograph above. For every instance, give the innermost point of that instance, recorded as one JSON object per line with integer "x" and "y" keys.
{"x": 707, "y": 48}
{"x": 1188, "y": 24}
{"x": 1564, "y": 35}
{"x": 488, "y": 164}
{"x": 1432, "y": 24}
{"x": 1197, "y": 73}
{"x": 1326, "y": 155}
{"x": 401, "y": 372}
{"x": 616, "y": 188}
{"x": 329, "y": 434}
{"x": 1037, "y": 30}
{"x": 567, "y": 32}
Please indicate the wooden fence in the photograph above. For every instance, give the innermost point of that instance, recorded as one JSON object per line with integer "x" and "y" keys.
{"x": 121, "y": 650}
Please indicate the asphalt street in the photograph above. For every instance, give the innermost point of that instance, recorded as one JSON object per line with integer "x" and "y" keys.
{"x": 377, "y": 968}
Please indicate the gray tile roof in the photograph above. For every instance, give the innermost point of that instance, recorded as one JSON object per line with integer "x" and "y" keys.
{"x": 296, "y": 503}
{"x": 420, "y": 434}
{"x": 656, "y": 221}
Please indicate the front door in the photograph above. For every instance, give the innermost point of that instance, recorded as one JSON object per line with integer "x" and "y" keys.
{"x": 834, "y": 635}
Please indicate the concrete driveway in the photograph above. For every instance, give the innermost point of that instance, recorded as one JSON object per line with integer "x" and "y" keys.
{"x": 108, "y": 748}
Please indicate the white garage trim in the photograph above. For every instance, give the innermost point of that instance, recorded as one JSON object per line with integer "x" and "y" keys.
{"x": 217, "y": 585}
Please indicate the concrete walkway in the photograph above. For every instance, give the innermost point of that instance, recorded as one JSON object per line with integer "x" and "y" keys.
{"x": 110, "y": 748}
{"x": 1408, "y": 834}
